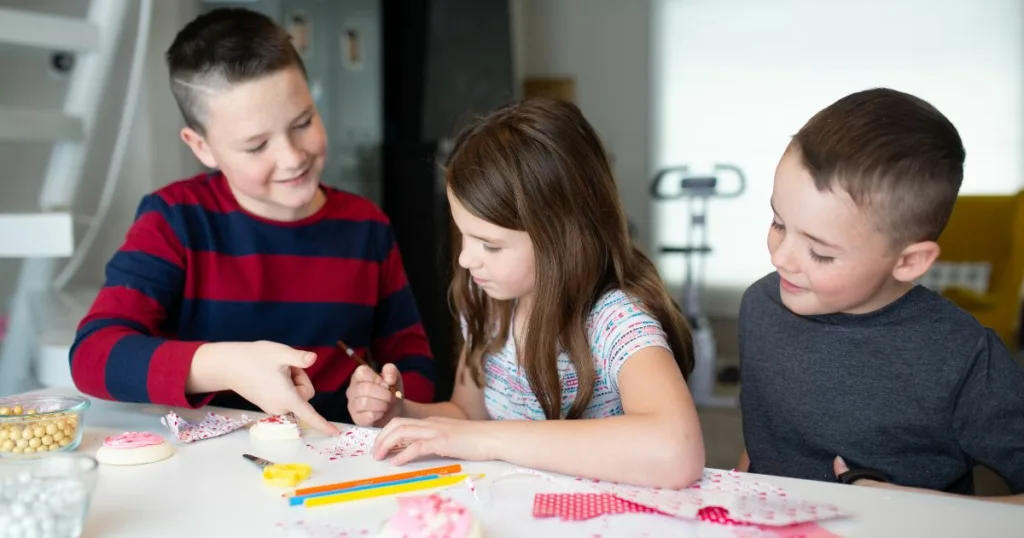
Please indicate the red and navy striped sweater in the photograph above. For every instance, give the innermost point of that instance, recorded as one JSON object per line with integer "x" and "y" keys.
{"x": 195, "y": 268}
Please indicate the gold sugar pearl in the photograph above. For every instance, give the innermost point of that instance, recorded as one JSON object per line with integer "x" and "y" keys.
{"x": 31, "y": 434}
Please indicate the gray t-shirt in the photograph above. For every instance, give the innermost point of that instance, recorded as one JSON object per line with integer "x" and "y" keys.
{"x": 918, "y": 390}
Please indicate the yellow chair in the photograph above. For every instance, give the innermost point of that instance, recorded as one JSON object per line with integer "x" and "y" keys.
{"x": 989, "y": 229}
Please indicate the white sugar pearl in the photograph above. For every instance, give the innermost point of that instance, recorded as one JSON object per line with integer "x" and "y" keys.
{"x": 14, "y": 529}
{"x": 75, "y": 495}
{"x": 56, "y": 504}
{"x": 17, "y": 509}
{"x": 39, "y": 507}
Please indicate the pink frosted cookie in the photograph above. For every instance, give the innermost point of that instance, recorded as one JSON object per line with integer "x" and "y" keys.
{"x": 431, "y": 516}
{"x": 134, "y": 448}
{"x": 275, "y": 428}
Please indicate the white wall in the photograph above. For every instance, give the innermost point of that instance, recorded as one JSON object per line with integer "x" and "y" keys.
{"x": 736, "y": 78}
{"x": 605, "y": 45}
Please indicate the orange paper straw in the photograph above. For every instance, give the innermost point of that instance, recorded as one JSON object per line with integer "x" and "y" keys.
{"x": 448, "y": 469}
{"x": 386, "y": 489}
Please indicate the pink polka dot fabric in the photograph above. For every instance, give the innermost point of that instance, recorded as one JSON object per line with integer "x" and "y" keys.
{"x": 583, "y": 506}
{"x": 720, "y": 516}
{"x": 742, "y": 497}
{"x": 213, "y": 425}
{"x": 353, "y": 442}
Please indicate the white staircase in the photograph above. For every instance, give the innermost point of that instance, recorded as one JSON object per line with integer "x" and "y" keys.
{"x": 30, "y": 125}
{"x": 51, "y": 32}
{"x": 43, "y": 318}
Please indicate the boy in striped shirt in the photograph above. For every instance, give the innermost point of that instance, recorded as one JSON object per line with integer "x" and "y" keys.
{"x": 233, "y": 287}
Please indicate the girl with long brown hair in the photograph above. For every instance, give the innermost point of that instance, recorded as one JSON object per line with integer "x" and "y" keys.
{"x": 562, "y": 316}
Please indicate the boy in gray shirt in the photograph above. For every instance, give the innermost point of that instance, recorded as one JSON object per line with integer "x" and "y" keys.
{"x": 851, "y": 372}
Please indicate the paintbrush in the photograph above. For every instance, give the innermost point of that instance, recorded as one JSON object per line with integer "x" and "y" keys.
{"x": 355, "y": 356}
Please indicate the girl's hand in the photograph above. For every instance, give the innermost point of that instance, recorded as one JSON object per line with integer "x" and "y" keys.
{"x": 371, "y": 402}
{"x": 445, "y": 437}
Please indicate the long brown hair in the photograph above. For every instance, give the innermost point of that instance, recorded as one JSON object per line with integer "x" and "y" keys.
{"x": 538, "y": 166}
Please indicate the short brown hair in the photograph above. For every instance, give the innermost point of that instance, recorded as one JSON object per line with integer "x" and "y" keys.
{"x": 538, "y": 166}
{"x": 225, "y": 46}
{"x": 893, "y": 153}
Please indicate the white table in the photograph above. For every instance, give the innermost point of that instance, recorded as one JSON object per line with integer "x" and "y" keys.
{"x": 208, "y": 489}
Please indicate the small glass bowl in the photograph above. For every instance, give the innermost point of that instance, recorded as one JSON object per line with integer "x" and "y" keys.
{"x": 46, "y": 496}
{"x": 38, "y": 425}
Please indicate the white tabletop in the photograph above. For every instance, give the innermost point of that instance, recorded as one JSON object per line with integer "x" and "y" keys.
{"x": 208, "y": 489}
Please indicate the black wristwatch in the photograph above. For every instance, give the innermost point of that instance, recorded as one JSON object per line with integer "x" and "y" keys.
{"x": 853, "y": 475}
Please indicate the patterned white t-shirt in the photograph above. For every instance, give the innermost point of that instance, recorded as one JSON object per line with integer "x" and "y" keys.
{"x": 617, "y": 326}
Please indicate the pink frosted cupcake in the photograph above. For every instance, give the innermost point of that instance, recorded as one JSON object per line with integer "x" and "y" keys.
{"x": 431, "y": 516}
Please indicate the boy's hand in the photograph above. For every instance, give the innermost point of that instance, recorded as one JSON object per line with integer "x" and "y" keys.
{"x": 272, "y": 376}
{"x": 744, "y": 464}
{"x": 839, "y": 467}
{"x": 371, "y": 401}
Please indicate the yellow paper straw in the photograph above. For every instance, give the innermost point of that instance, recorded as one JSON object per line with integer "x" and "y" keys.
{"x": 438, "y": 482}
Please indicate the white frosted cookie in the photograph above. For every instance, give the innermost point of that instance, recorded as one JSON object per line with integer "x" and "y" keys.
{"x": 134, "y": 448}
{"x": 276, "y": 428}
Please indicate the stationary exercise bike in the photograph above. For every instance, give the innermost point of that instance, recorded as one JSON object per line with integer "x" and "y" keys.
{"x": 698, "y": 191}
